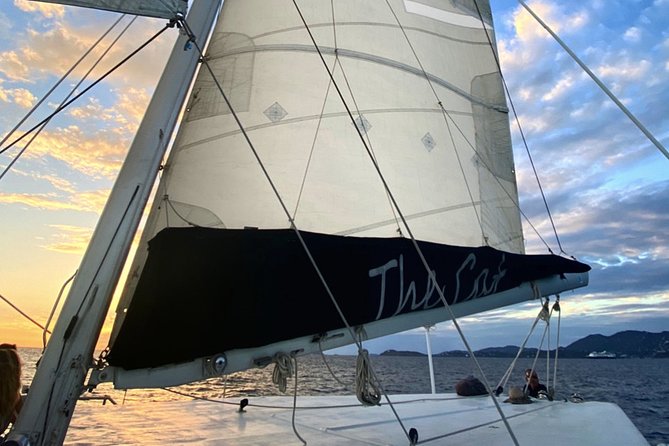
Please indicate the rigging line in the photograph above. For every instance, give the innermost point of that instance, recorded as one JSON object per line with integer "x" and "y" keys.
{"x": 104, "y": 76}
{"x": 541, "y": 344}
{"x": 488, "y": 423}
{"x": 522, "y": 136}
{"x": 53, "y": 310}
{"x": 464, "y": 176}
{"x": 22, "y": 313}
{"x": 282, "y": 203}
{"x": 369, "y": 140}
{"x": 556, "y": 307}
{"x": 357, "y": 109}
{"x": 297, "y": 434}
{"x": 548, "y": 354}
{"x": 391, "y": 198}
{"x": 479, "y": 157}
{"x": 327, "y": 365}
{"x": 432, "y": 278}
{"x": 334, "y": 26}
{"x": 92, "y": 287}
{"x": 69, "y": 95}
{"x": 313, "y": 146}
{"x": 507, "y": 374}
{"x": 274, "y": 189}
{"x": 301, "y": 408}
{"x": 599, "y": 83}
{"x": 445, "y": 114}
{"x": 499, "y": 183}
{"x": 32, "y": 110}
{"x": 184, "y": 219}
{"x": 429, "y": 271}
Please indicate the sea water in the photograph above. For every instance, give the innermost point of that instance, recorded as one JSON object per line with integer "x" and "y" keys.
{"x": 639, "y": 386}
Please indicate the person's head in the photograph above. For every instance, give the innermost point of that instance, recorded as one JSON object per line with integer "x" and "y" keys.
{"x": 10, "y": 379}
{"x": 531, "y": 376}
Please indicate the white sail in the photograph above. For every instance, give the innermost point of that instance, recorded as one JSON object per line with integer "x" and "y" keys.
{"x": 421, "y": 82}
{"x": 167, "y": 9}
{"x": 450, "y": 170}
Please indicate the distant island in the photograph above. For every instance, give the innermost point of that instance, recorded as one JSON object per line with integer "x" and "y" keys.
{"x": 624, "y": 344}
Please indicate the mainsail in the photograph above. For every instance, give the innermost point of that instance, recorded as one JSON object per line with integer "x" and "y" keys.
{"x": 393, "y": 113}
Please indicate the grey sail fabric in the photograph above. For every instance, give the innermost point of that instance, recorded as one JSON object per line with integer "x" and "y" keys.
{"x": 167, "y": 9}
{"x": 425, "y": 93}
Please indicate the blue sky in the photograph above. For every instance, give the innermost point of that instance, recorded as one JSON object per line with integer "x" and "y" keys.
{"x": 605, "y": 183}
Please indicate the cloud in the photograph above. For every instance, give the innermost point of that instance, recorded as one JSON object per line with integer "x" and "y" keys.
{"x": 52, "y": 49}
{"x": 69, "y": 239}
{"x": 92, "y": 201}
{"x": 530, "y": 39}
{"x": 624, "y": 69}
{"x": 19, "y": 96}
{"x": 123, "y": 117}
{"x": 45, "y": 9}
{"x": 560, "y": 89}
{"x": 97, "y": 155}
{"x": 12, "y": 66}
{"x": 632, "y": 34}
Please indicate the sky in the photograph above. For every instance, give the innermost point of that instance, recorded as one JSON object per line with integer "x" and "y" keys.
{"x": 606, "y": 184}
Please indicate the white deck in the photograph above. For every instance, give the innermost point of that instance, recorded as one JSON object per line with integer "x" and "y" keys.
{"x": 447, "y": 419}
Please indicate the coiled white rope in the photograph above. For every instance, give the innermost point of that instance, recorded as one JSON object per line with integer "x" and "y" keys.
{"x": 366, "y": 390}
{"x": 283, "y": 369}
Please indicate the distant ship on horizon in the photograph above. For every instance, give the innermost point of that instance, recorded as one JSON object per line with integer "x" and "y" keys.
{"x": 602, "y": 355}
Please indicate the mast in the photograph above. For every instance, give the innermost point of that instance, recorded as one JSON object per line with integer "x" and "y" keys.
{"x": 59, "y": 379}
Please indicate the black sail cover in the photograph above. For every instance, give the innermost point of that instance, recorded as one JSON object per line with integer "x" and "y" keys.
{"x": 206, "y": 291}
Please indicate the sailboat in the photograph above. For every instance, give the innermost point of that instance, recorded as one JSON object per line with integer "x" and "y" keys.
{"x": 341, "y": 171}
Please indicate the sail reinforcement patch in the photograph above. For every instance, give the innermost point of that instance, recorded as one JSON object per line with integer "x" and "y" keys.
{"x": 428, "y": 142}
{"x": 275, "y": 112}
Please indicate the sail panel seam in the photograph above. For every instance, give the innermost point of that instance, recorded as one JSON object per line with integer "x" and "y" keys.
{"x": 369, "y": 58}
{"x": 372, "y": 24}
{"x": 289, "y": 121}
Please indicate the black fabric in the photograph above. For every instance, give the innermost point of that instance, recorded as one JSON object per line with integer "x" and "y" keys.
{"x": 470, "y": 386}
{"x": 206, "y": 291}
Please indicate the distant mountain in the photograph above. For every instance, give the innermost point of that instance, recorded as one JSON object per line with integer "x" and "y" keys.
{"x": 401, "y": 353}
{"x": 629, "y": 344}
{"x": 636, "y": 344}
